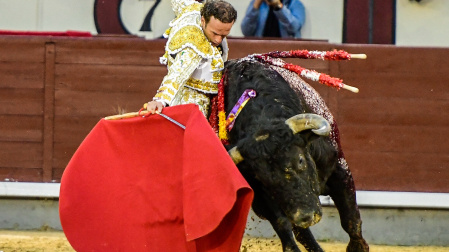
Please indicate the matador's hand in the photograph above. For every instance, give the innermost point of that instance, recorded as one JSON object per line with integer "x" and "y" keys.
{"x": 154, "y": 107}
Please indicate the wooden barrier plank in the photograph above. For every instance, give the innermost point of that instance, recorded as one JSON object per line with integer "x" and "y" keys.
{"x": 21, "y": 75}
{"x": 388, "y": 58}
{"x": 110, "y": 51}
{"x": 394, "y": 111}
{"x": 120, "y": 78}
{"x": 392, "y": 138}
{"x": 21, "y": 49}
{"x": 19, "y": 128}
{"x": 21, "y": 155}
{"x": 79, "y": 103}
{"x": 21, "y": 101}
{"x": 375, "y": 85}
{"x": 398, "y": 171}
{"x": 73, "y": 129}
{"x": 64, "y": 152}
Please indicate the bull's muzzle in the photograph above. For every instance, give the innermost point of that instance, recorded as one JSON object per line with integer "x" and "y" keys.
{"x": 305, "y": 220}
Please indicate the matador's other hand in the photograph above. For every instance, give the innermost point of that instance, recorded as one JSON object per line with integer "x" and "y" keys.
{"x": 155, "y": 107}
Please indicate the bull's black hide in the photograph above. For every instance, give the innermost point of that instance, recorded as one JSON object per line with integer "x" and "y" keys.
{"x": 287, "y": 171}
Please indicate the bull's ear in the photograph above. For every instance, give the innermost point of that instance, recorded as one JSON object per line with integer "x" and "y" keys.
{"x": 235, "y": 155}
{"x": 316, "y": 123}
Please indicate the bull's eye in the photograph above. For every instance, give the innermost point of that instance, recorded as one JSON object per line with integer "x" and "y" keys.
{"x": 301, "y": 162}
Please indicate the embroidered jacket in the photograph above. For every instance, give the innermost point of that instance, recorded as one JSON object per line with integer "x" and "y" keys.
{"x": 192, "y": 61}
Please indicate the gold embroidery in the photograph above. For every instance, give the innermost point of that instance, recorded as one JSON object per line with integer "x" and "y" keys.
{"x": 204, "y": 86}
{"x": 215, "y": 62}
{"x": 180, "y": 6}
{"x": 163, "y": 96}
{"x": 179, "y": 71}
{"x": 216, "y": 76}
{"x": 192, "y": 36}
{"x": 176, "y": 86}
{"x": 191, "y": 8}
{"x": 188, "y": 96}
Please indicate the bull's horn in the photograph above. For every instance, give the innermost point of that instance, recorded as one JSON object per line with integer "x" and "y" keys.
{"x": 235, "y": 155}
{"x": 316, "y": 123}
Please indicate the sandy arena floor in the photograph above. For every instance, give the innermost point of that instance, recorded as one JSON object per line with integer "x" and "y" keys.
{"x": 49, "y": 241}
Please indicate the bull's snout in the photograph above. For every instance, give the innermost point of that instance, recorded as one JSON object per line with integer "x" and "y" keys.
{"x": 305, "y": 220}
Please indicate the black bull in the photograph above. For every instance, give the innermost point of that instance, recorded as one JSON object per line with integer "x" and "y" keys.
{"x": 283, "y": 151}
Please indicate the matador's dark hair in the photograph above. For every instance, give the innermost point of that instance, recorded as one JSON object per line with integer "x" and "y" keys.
{"x": 221, "y": 10}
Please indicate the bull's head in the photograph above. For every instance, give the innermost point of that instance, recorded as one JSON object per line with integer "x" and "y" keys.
{"x": 277, "y": 157}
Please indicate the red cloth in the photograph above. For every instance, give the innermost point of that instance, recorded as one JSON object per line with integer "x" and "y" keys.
{"x": 47, "y": 33}
{"x": 145, "y": 184}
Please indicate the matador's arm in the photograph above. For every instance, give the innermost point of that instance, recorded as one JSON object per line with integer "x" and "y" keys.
{"x": 185, "y": 63}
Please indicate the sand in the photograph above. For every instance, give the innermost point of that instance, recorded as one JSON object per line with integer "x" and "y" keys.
{"x": 49, "y": 241}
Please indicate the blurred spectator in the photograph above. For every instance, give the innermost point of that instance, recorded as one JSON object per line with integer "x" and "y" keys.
{"x": 274, "y": 18}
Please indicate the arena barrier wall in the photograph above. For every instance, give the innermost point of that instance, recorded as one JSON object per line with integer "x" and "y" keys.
{"x": 53, "y": 90}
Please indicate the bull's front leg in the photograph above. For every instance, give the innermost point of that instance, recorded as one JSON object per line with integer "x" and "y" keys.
{"x": 305, "y": 237}
{"x": 280, "y": 223}
{"x": 342, "y": 192}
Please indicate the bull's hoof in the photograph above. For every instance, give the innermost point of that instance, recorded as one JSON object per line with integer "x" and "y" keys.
{"x": 314, "y": 248}
{"x": 291, "y": 249}
{"x": 357, "y": 246}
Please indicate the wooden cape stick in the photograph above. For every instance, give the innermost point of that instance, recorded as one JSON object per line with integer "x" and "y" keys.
{"x": 142, "y": 112}
{"x": 122, "y": 116}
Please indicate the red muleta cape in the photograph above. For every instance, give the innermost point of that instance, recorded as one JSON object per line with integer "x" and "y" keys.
{"x": 145, "y": 184}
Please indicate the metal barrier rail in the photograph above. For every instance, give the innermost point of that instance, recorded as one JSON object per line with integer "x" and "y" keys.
{"x": 373, "y": 199}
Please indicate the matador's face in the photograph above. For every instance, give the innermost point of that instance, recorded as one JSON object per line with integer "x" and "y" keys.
{"x": 215, "y": 30}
